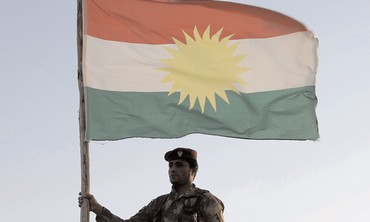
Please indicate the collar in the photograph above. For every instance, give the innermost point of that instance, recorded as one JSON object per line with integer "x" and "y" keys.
{"x": 188, "y": 193}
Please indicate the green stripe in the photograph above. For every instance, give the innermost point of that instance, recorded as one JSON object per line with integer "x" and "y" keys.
{"x": 284, "y": 114}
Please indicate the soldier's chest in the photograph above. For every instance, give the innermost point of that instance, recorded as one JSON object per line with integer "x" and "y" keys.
{"x": 181, "y": 209}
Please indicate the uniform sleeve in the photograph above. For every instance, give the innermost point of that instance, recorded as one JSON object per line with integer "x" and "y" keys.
{"x": 146, "y": 214}
{"x": 211, "y": 208}
{"x": 107, "y": 216}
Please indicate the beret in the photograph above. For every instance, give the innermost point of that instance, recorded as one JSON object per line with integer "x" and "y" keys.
{"x": 181, "y": 153}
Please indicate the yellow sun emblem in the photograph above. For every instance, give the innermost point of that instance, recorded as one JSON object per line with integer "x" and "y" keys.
{"x": 203, "y": 67}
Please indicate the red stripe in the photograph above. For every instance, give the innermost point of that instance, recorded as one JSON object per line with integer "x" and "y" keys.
{"x": 156, "y": 22}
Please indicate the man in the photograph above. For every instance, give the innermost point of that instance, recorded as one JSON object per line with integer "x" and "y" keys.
{"x": 185, "y": 203}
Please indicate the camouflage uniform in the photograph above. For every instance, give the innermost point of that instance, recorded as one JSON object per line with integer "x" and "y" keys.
{"x": 195, "y": 205}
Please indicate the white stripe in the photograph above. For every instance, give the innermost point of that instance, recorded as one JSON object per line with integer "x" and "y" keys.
{"x": 282, "y": 62}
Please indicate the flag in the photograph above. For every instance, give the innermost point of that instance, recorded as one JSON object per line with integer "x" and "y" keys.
{"x": 161, "y": 69}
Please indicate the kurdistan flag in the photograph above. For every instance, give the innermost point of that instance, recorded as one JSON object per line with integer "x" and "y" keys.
{"x": 160, "y": 69}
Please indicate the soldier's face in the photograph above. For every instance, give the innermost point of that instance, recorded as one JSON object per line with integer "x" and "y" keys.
{"x": 180, "y": 172}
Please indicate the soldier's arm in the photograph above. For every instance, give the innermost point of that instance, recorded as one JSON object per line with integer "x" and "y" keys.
{"x": 102, "y": 214}
{"x": 147, "y": 213}
{"x": 144, "y": 215}
{"x": 218, "y": 217}
{"x": 150, "y": 212}
{"x": 107, "y": 216}
{"x": 212, "y": 208}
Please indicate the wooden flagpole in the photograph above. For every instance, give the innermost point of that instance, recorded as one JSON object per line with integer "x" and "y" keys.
{"x": 84, "y": 145}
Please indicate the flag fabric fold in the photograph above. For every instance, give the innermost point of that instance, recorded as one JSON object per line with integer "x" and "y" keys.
{"x": 161, "y": 69}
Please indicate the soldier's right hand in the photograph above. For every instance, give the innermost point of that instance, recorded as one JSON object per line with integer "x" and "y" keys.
{"x": 94, "y": 205}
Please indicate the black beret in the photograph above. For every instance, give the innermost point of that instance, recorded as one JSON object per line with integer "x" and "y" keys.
{"x": 181, "y": 153}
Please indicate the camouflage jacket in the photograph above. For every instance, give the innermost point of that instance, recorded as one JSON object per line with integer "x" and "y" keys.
{"x": 195, "y": 205}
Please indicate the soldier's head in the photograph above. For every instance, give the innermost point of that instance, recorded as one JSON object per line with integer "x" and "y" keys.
{"x": 183, "y": 165}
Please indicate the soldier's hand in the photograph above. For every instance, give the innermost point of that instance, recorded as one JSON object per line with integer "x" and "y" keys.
{"x": 94, "y": 205}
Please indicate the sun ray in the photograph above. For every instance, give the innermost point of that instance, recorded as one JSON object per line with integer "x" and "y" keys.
{"x": 196, "y": 34}
{"x": 202, "y": 102}
{"x": 192, "y": 100}
{"x": 188, "y": 38}
{"x": 179, "y": 44}
{"x": 172, "y": 91}
{"x": 212, "y": 100}
{"x": 233, "y": 88}
{"x": 206, "y": 34}
{"x": 182, "y": 97}
{"x": 233, "y": 48}
{"x": 239, "y": 59}
{"x": 222, "y": 94}
{"x": 202, "y": 67}
{"x": 216, "y": 37}
{"x": 226, "y": 39}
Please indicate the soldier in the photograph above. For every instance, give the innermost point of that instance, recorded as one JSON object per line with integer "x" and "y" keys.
{"x": 185, "y": 202}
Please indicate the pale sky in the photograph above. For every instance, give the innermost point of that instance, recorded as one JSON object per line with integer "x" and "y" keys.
{"x": 259, "y": 181}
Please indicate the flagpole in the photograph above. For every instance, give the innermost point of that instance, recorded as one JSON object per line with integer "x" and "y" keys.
{"x": 84, "y": 145}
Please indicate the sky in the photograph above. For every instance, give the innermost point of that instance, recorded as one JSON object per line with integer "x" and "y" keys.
{"x": 259, "y": 181}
